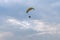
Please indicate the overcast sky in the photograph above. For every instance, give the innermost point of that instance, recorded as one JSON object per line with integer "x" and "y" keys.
{"x": 44, "y": 23}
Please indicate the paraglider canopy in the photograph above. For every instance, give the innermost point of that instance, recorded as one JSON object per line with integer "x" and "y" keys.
{"x": 29, "y": 9}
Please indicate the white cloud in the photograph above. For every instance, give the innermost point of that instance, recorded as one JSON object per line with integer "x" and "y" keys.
{"x": 4, "y": 35}
{"x": 44, "y": 26}
{"x": 36, "y": 25}
{"x": 22, "y": 24}
{"x": 13, "y": 21}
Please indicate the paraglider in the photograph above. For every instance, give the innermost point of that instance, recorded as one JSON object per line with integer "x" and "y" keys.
{"x": 28, "y": 10}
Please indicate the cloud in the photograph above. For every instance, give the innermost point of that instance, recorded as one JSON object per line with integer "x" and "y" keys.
{"x": 6, "y": 35}
{"x": 22, "y": 24}
{"x": 36, "y": 25}
{"x": 45, "y": 27}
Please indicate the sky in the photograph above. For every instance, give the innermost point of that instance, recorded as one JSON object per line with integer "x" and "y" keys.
{"x": 44, "y": 23}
